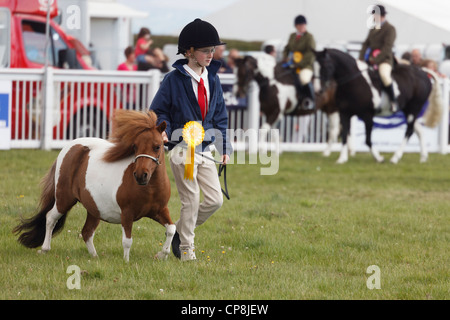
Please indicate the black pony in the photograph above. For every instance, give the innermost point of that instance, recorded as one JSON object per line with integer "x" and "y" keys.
{"x": 359, "y": 92}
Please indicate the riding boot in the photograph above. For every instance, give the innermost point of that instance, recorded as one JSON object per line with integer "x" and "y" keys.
{"x": 308, "y": 97}
{"x": 297, "y": 84}
{"x": 390, "y": 92}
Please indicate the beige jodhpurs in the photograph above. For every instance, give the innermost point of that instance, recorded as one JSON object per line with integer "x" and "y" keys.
{"x": 385, "y": 70}
{"x": 193, "y": 213}
{"x": 305, "y": 76}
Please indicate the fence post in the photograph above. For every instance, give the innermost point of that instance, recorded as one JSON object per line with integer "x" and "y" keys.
{"x": 47, "y": 110}
{"x": 155, "y": 81}
{"x": 253, "y": 115}
{"x": 443, "y": 130}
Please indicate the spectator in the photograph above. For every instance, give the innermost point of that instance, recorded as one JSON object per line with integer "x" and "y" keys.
{"x": 433, "y": 66}
{"x": 416, "y": 57}
{"x": 232, "y": 56}
{"x": 406, "y": 58}
{"x": 146, "y": 56}
{"x": 128, "y": 90}
{"x": 218, "y": 55}
{"x": 130, "y": 61}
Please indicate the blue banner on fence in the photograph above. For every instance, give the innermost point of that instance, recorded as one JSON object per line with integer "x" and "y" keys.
{"x": 231, "y": 101}
{"x": 4, "y": 110}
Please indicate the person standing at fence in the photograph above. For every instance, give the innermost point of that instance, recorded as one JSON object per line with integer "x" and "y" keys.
{"x": 130, "y": 60}
{"x": 192, "y": 92}
{"x": 128, "y": 90}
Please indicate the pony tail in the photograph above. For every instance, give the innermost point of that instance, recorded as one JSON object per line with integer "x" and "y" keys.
{"x": 33, "y": 229}
{"x": 434, "y": 111}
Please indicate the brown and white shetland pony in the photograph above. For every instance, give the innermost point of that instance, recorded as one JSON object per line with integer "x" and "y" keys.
{"x": 277, "y": 92}
{"x": 119, "y": 180}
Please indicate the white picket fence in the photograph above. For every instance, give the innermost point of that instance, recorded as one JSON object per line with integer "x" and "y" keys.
{"x": 98, "y": 93}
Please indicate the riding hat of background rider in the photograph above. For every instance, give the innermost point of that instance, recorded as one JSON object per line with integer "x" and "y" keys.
{"x": 198, "y": 34}
{"x": 300, "y": 19}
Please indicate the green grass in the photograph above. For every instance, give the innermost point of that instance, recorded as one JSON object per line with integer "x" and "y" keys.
{"x": 308, "y": 232}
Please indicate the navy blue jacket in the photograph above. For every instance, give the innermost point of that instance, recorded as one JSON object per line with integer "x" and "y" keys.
{"x": 176, "y": 104}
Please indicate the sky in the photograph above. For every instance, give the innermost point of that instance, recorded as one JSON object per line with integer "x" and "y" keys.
{"x": 168, "y": 17}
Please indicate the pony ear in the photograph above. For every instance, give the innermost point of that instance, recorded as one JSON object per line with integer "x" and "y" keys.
{"x": 162, "y": 126}
{"x": 250, "y": 62}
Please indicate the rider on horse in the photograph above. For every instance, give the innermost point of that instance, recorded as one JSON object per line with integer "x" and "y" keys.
{"x": 377, "y": 51}
{"x": 299, "y": 55}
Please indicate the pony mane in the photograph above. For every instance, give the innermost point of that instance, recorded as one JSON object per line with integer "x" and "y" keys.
{"x": 341, "y": 54}
{"x": 126, "y": 126}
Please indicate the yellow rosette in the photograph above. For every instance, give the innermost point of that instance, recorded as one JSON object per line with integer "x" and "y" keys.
{"x": 193, "y": 135}
{"x": 298, "y": 56}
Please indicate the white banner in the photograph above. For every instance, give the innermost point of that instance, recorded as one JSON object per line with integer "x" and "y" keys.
{"x": 388, "y": 134}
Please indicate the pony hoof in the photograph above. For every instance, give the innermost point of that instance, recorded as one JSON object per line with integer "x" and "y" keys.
{"x": 423, "y": 159}
{"x": 43, "y": 251}
{"x": 161, "y": 256}
{"x": 394, "y": 160}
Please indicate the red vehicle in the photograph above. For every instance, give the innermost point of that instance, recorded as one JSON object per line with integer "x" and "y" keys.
{"x": 27, "y": 28}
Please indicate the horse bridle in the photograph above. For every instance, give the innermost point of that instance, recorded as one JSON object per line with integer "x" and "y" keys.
{"x": 143, "y": 155}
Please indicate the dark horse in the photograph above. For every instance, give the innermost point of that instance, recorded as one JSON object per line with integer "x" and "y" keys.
{"x": 359, "y": 92}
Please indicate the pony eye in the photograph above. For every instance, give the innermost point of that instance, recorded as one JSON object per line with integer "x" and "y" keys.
{"x": 157, "y": 148}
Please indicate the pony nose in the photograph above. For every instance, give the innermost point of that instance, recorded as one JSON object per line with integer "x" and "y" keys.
{"x": 142, "y": 179}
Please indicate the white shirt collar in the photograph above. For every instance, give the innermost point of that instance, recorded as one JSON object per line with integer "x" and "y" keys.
{"x": 194, "y": 75}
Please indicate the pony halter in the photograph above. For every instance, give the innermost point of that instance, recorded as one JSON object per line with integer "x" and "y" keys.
{"x": 147, "y": 156}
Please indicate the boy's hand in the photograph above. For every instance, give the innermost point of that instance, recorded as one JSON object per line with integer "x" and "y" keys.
{"x": 225, "y": 159}
{"x": 165, "y": 138}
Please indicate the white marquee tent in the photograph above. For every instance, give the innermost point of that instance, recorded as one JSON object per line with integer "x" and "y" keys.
{"x": 419, "y": 23}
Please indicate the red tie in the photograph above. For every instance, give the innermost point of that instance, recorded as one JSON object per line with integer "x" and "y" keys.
{"x": 202, "y": 98}
{"x": 298, "y": 37}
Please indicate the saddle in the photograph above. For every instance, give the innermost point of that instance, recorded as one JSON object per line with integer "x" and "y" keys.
{"x": 305, "y": 93}
{"x": 384, "y": 107}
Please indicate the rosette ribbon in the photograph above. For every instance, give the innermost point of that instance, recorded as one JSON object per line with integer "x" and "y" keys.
{"x": 193, "y": 135}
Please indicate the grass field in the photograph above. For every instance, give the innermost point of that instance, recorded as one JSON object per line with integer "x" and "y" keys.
{"x": 308, "y": 232}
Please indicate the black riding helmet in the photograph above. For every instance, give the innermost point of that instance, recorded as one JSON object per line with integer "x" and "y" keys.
{"x": 198, "y": 34}
{"x": 300, "y": 19}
